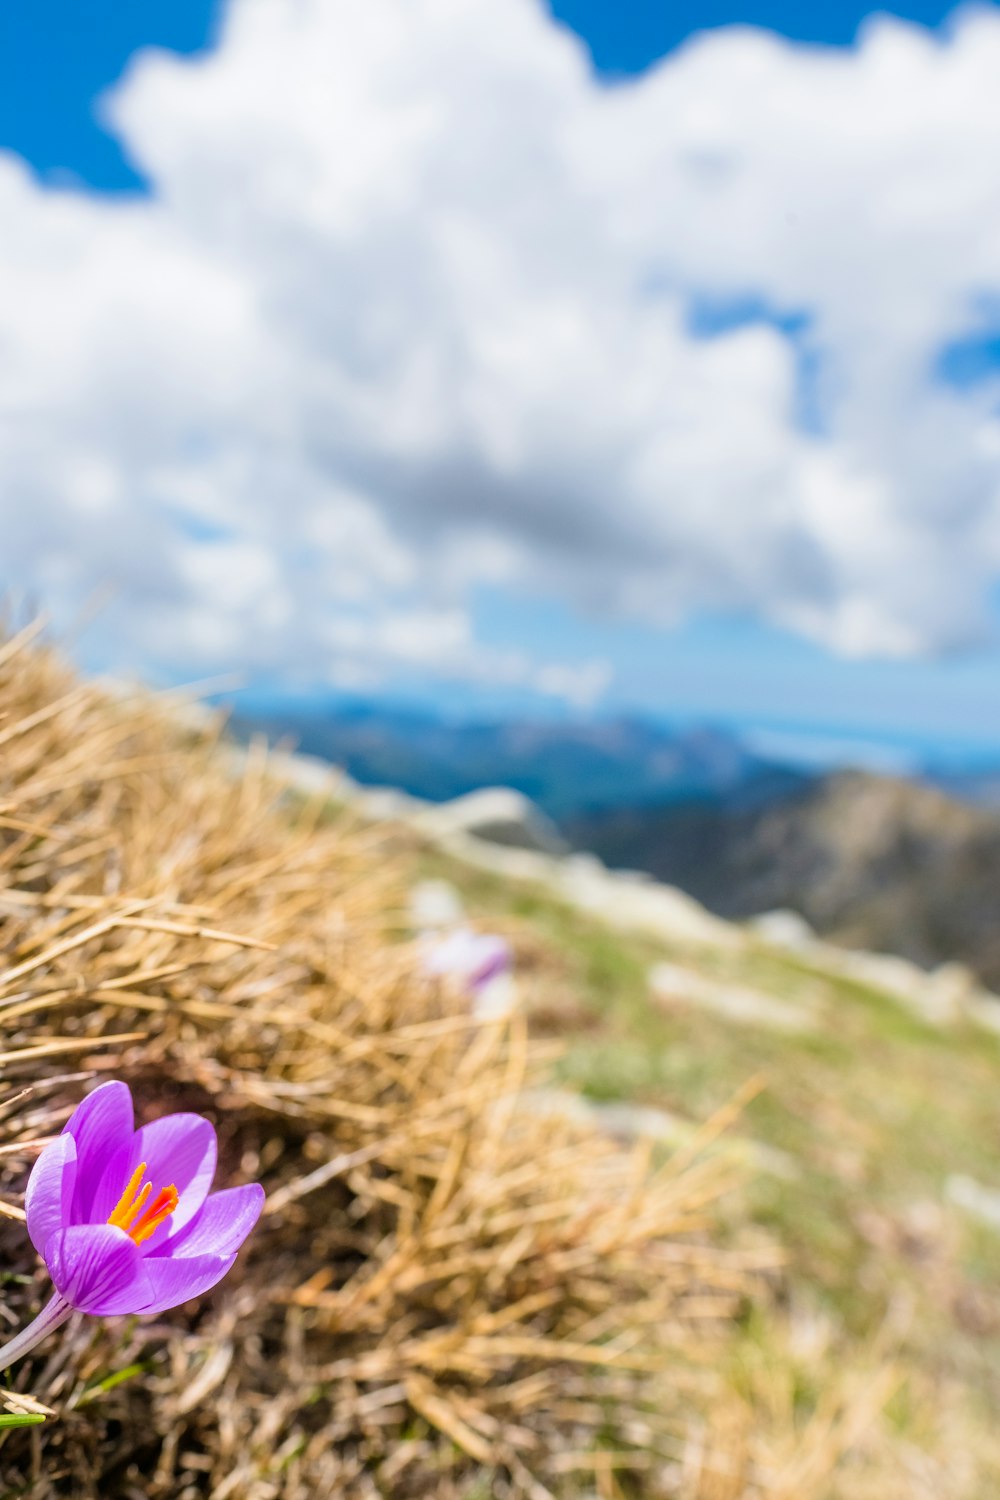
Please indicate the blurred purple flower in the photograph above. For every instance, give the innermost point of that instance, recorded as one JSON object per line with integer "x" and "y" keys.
{"x": 482, "y": 962}
{"x": 123, "y": 1218}
{"x": 473, "y": 958}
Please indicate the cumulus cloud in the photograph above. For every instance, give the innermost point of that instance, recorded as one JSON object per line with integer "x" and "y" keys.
{"x": 418, "y": 307}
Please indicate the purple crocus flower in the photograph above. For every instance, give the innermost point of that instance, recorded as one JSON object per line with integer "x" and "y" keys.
{"x": 123, "y": 1218}
{"x": 479, "y": 961}
{"x": 473, "y": 958}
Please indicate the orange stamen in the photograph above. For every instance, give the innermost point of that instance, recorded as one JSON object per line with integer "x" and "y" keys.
{"x": 160, "y": 1209}
{"x": 130, "y": 1206}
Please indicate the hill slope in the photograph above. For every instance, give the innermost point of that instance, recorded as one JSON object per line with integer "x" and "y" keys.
{"x": 471, "y": 1281}
{"x": 446, "y": 1297}
{"x": 874, "y": 1145}
{"x": 870, "y": 861}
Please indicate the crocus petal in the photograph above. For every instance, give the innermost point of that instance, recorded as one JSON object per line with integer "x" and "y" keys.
{"x": 48, "y": 1198}
{"x": 118, "y": 1168}
{"x": 176, "y": 1280}
{"x": 100, "y": 1126}
{"x": 98, "y": 1269}
{"x": 493, "y": 958}
{"x": 178, "y": 1149}
{"x": 221, "y": 1225}
{"x": 470, "y": 957}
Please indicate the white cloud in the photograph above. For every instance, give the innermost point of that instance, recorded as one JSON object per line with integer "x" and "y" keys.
{"x": 409, "y": 313}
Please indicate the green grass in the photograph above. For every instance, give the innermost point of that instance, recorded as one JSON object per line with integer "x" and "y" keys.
{"x": 876, "y": 1107}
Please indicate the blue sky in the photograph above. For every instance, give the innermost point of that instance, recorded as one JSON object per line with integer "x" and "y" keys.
{"x": 56, "y": 59}
{"x": 624, "y": 36}
{"x": 828, "y": 626}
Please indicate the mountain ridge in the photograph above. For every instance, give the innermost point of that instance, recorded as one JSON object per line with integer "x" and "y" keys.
{"x": 871, "y": 861}
{"x": 565, "y": 767}
{"x": 874, "y": 862}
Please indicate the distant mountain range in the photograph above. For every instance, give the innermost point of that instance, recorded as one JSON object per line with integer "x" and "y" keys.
{"x": 566, "y": 768}
{"x": 870, "y": 861}
{"x": 910, "y": 866}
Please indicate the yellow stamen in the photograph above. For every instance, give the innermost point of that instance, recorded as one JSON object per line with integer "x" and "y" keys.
{"x": 126, "y": 1208}
{"x": 137, "y": 1207}
{"x": 130, "y": 1206}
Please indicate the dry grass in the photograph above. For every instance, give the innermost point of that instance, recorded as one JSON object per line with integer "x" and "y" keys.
{"x": 446, "y": 1297}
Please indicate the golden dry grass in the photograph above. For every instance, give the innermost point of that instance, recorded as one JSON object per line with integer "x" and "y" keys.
{"x": 447, "y": 1296}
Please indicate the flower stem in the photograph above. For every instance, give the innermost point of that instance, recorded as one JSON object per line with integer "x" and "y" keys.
{"x": 55, "y": 1312}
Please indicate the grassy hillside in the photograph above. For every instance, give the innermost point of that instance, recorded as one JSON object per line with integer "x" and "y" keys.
{"x": 466, "y": 1284}
{"x": 872, "y": 1111}
{"x": 871, "y": 861}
